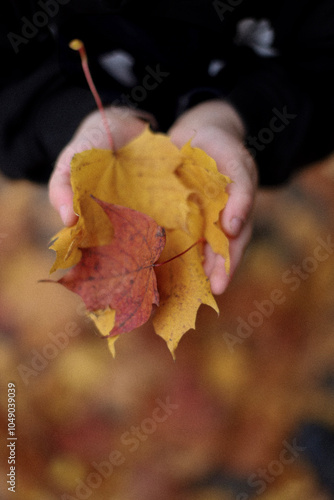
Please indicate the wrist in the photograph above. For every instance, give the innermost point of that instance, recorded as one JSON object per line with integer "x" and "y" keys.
{"x": 223, "y": 115}
{"x": 213, "y": 114}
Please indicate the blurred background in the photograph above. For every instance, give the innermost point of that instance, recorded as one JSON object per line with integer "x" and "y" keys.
{"x": 245, "y": 411}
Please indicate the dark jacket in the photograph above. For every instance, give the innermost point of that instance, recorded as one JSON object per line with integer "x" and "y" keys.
{"x": 273, "y": 60}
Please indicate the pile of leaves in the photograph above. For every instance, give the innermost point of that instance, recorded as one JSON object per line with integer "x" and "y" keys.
{"x": 145, "y": 213}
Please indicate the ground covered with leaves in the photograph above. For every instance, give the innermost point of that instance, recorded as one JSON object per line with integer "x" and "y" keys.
{"x": 245, "y": 411}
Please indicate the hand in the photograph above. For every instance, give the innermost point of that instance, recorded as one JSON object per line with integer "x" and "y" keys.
{"x": 124, "y": 124}
{"x": 215, "y": 127}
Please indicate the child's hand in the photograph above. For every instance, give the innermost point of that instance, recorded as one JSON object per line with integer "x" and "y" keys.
{"x": 124, "y": 125}
{"x": 215, "y": 127}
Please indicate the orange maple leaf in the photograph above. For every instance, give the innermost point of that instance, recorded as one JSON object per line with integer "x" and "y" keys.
{"x": 120, "y": 275}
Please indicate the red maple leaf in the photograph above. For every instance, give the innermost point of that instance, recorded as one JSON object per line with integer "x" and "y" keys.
{"x": 121, "y": 275}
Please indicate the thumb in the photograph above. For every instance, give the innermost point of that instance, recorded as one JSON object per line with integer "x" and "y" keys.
{"x": 242, "y": 191}
{"x": 60, "y": 189}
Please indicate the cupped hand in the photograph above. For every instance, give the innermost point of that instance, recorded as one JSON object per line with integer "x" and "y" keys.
{"x": 215, "y": 127}
{"x": 125, "y": 124}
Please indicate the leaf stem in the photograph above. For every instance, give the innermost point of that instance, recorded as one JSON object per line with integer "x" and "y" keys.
{"x": 79, "y": 46}
{"x": 201, "y": 240}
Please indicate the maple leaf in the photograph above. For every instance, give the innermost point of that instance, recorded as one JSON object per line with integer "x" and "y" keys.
{"x": 199, "y": 173}
{"x": 120, "y": 276}
{"x": 183, "y": 285}
{"x": 182, "y": 191}
{"x": 146, "y": 165}
{"x": 93, "y": 227}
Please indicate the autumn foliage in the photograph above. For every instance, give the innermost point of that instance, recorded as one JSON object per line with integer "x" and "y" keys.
{"x": 142, "y": 209}
{"x": 149, "y": 201}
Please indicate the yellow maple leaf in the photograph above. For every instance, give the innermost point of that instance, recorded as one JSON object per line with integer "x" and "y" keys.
{"x": 181, "y": 190}
{"x": 147, "y": 166}
{"x": 183, "y": 285}
{"x": 198, "y": 172}
{"x": 104, "y": 321}
{"x": 89, "y": 175}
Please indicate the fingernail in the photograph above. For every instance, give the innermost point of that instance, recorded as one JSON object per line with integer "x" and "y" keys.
{"x": 63, "y": 212}
{"x": 235, "y": 226}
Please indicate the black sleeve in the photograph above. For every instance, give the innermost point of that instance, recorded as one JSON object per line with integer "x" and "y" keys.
{"x": 40, "y": 114}
{"x": 288, "y": 101}
{"x": 286, "y": 98}
{"x": 41, "y": 105}
{"x": 276, "y": 112}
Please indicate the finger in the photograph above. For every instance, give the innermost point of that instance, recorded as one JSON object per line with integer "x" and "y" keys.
{"x": 60, "y": 191}
{"x": 241, "y": 192}
{"x": 91, "y": 134}
{"x": 214, "y": 264}
{"x": 214, "y": 267}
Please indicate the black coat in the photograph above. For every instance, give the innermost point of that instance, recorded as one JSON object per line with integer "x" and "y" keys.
{"x": 273, "y": 60}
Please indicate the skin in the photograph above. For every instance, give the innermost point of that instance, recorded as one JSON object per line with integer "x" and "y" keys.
{"x": 213, "y": 126}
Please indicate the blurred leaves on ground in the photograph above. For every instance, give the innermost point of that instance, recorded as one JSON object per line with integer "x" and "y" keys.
{"x": 236, "y": 405}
